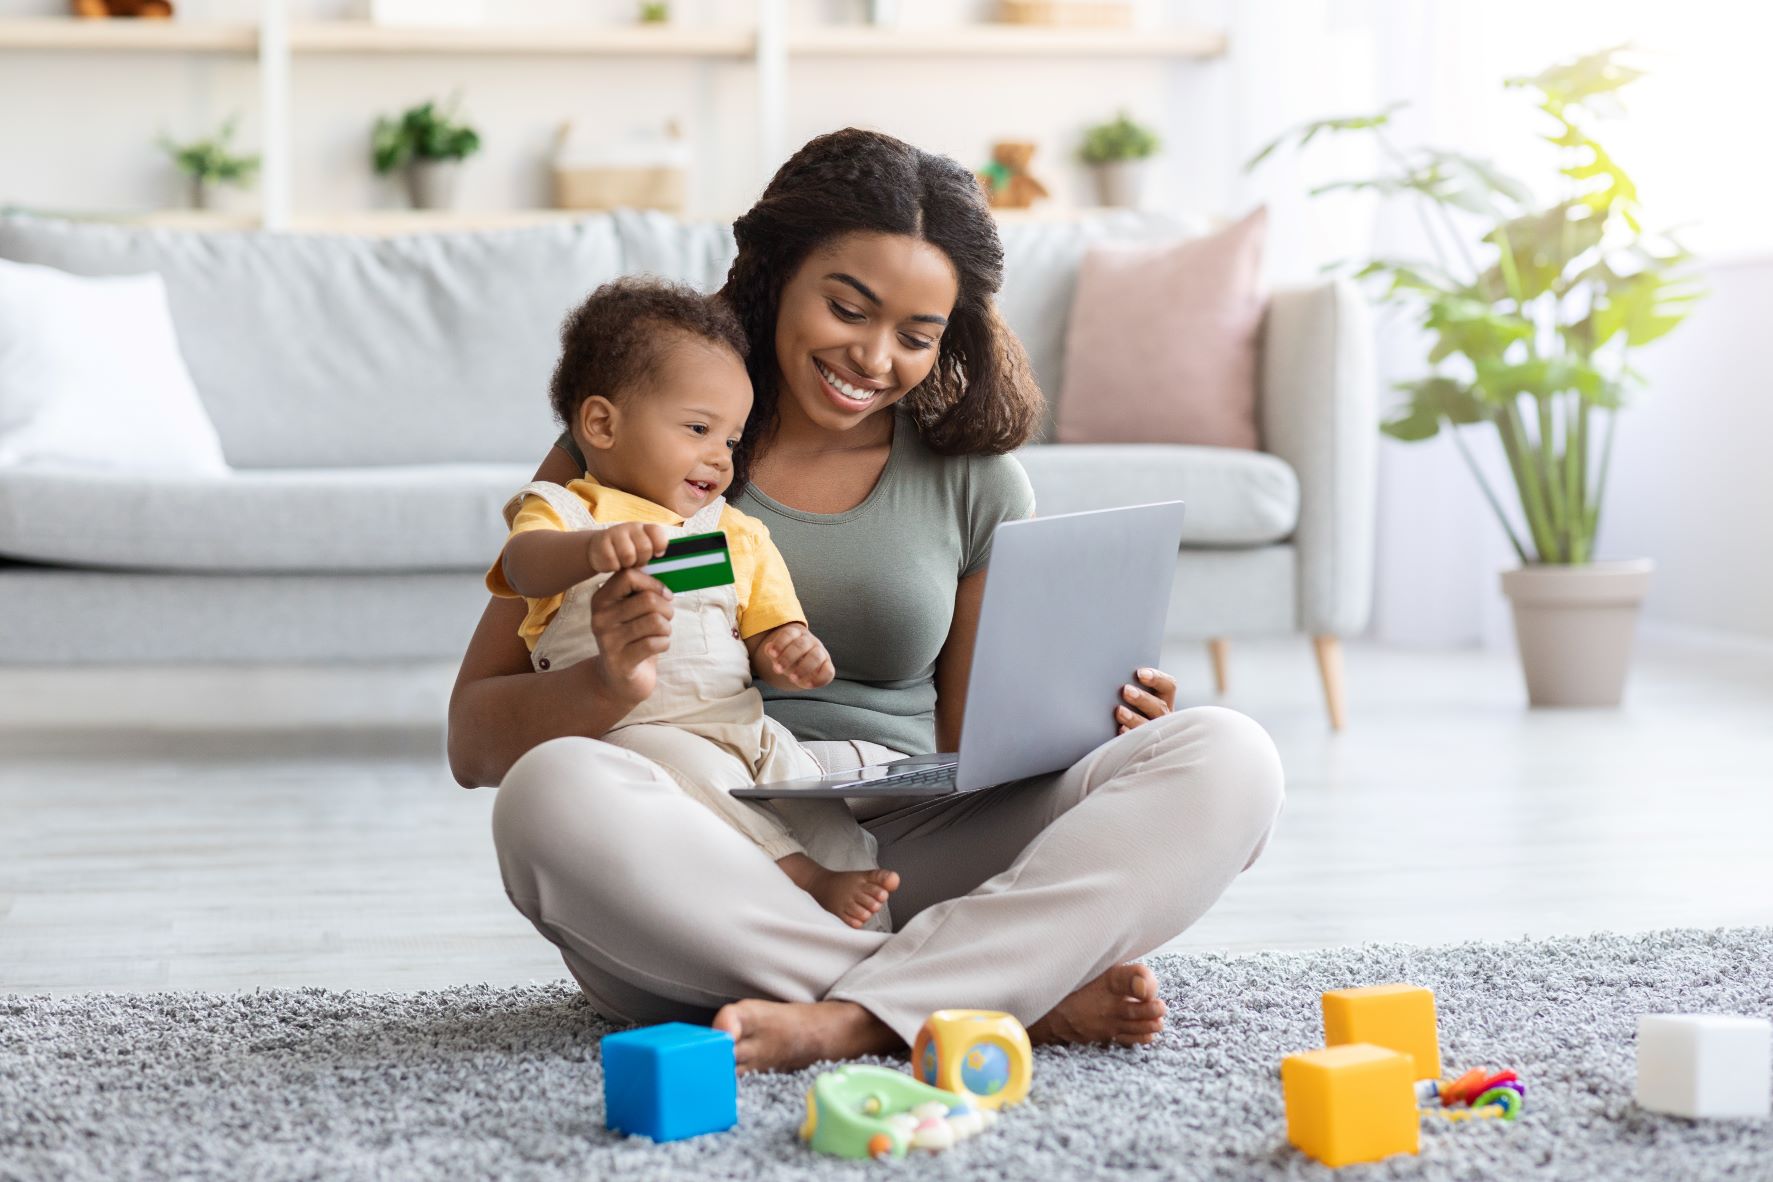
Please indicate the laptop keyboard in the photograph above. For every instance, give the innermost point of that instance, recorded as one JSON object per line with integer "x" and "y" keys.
{"x": 928, "y": 775}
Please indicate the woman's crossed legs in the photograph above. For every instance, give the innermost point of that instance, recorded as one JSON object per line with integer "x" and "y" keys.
{"x": 1026, "y": 898}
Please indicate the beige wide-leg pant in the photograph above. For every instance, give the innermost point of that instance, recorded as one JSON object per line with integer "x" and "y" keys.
{"x": 1011, "y": 897}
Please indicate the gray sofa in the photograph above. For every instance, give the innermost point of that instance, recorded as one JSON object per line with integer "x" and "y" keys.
{"x": 379, "y": 398}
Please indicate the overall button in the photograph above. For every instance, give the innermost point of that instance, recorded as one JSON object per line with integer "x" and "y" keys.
{"x": 735, "y": 634}
{"x": 542, "y": 664}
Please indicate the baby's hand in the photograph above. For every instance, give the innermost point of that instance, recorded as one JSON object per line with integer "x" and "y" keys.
{"x": 618, "y": 547}
{"x": 791, "y": 658}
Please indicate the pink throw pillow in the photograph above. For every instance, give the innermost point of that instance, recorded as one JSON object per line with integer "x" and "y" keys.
{"x": 1162, "y": 342}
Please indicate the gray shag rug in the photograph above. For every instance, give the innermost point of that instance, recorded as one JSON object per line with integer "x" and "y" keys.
{"x": 479, "y": 1082}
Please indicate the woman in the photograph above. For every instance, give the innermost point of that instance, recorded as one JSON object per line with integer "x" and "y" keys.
{"x": 887, "y": 394}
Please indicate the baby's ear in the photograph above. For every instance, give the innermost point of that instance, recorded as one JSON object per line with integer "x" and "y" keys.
{"x": 596, "y": 426}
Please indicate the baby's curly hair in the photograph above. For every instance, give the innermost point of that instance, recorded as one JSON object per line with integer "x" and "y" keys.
{"x": 621, "y": 332}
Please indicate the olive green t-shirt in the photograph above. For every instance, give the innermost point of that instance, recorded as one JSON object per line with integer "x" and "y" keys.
{"x": 878, "y": 583}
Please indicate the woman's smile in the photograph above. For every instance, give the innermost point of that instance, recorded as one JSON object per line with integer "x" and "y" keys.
{"x": 848, "y": 395}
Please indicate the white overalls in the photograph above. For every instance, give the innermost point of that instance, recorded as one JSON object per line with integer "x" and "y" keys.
{"x": 704, "y": 723}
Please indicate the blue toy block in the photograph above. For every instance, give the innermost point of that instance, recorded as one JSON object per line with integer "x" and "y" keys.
{"x": 669, "y": 1082}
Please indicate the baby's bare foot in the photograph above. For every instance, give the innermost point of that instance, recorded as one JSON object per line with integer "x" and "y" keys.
{"x": 854, "y": 896}
{"x": 1120, "y": 1006}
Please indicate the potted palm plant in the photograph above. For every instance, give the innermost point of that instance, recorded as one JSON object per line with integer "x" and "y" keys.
{"x": 207, "y": 163}
{"x": 1116, "y": 152}
{"x": 428, "y": 145}
{"x": 1534, "y": 307}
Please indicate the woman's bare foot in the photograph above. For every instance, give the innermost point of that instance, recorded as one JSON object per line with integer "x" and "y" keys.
{"x": 854, "y": 896}
{"x": 783, "y": 1036}
{"x": 1120, "y": 1006}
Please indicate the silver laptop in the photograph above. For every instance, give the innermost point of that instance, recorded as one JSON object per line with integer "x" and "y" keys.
{"x": 1073, "y": 605}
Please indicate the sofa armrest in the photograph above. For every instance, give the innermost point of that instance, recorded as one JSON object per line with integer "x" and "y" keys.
{"x": 1318, "y": 411}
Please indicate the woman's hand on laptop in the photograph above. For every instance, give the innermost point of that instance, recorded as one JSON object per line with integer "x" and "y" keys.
{"x": 790, "y": 657}
{"x": 1151, "y": 695}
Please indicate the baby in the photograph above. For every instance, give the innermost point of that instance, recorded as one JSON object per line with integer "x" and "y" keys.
{"x": 652, "y": 385}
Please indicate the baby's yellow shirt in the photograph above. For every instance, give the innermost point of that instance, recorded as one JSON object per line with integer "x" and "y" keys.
{"x": 760, "y": 576}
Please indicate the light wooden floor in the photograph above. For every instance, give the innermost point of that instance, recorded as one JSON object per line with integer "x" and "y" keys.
{"x": 307, "y": 833}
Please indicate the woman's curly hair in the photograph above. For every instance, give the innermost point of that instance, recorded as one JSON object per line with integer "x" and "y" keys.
{"x": 981, "y": 398}
{"x": 609, "y": 343}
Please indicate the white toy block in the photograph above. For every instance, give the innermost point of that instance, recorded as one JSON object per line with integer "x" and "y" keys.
{"x": 1705, "y": 1065}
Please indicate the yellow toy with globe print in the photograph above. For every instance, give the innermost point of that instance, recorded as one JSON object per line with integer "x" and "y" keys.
{"x": 983, "y": 1055}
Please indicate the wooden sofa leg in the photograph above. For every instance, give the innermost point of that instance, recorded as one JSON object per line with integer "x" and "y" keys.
{"x": 1329, "y": 667}
{"x": 1220, "y": 650}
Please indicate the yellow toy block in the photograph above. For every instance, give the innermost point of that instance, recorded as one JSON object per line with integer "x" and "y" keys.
{"x": 981, "y": 1054}
{"x": 1350, "y": 1104}
{"x": 1397, "y": 1016}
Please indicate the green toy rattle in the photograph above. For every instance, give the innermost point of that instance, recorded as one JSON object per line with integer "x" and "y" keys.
{"x": 862, "y": 1112}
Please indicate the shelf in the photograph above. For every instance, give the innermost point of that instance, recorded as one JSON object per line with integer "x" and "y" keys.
{"x": 991, "y": 40}
{"x": 126, "y": 35}
{"x": 430, "y": 221}
{"x": 363, "y": 221}
{"x": 773, "y": 50}
{"x": 353, "y": 37}
{"x": 434, "y": 221}
{"x": 586, "y": 39}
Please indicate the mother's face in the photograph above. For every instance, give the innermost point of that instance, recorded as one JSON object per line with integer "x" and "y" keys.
{"x": 859, "y": 326}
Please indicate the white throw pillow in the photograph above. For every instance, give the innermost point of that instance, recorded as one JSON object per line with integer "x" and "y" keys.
{"x": 91, "y": 377}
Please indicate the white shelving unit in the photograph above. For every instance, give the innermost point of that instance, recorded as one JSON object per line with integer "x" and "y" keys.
{"x": 544, "y": 40}
{"x": 769, "y": 47}
{"x": 135, "y": 36}
{"x": 1007, "y": 41}
{"x": 173, "y": 36}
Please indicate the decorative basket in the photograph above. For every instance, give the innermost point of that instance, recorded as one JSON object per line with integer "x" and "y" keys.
{"x": 620, "y": 176}
{"x": 1074, "y": 14}
{"x": 619, "y": 188}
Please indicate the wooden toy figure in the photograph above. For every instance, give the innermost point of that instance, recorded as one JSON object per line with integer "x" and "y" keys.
{"x": 1006, "y": 180}
{"x": 161, "y": 9}
{"x": 981, "y": 1054}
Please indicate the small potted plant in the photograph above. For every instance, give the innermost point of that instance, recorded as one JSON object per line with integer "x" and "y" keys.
{"x": 210, "y": 162}
{"x": 428, "y": 146}
{"x": 1116, "y": 152}
{"x": 1534, "y": 308}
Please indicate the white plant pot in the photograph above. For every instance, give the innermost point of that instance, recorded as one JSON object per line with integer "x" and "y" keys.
{"x": 1574, "y": 626}
{"x": 431, "y": 184}
{"x": 1119, "y": 183}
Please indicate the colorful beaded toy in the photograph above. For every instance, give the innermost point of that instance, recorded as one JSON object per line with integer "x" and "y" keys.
{"x": 1487, "y": 1095}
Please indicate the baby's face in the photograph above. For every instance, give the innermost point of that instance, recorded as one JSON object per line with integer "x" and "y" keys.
{"x": 674, "y": 437}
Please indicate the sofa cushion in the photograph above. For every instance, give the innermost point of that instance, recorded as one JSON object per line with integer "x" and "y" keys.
{"x": 418, "y": 518}
{"x": 91, "y": 376}
{"x": 657, "y": 243}
{"x": 330, "y": 351}
{"x": 1162, "y": 342}
{"x": 1040, "y": 278}
{"x": 1234, "y": 497}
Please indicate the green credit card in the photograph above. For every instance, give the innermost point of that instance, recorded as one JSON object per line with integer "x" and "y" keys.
{"x": 693, "y": 562}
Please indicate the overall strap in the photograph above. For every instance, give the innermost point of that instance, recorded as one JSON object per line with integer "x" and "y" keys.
{"x": 707, "y": 518}
{"x": 573, "y": 512}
